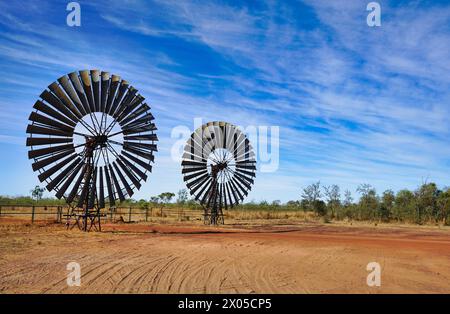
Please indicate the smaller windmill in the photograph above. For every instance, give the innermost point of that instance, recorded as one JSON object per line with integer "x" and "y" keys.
{"x": 218, "y": 166}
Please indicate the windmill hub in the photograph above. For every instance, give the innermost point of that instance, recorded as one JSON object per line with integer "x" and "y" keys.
{"x": 101, "y": 140}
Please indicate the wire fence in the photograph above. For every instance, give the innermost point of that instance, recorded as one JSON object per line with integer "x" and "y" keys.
{"x": 125, "y": 214}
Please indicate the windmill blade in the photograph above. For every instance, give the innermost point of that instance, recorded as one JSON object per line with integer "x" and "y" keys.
{"x": 47, "y": 161}
{"x": 210, "y": 196}
{"x": 124, "y": 116}
{"x": 95, "y": 78}
{"x": 70, "y": 91}
{"x": 220, "y": 196}
{"x": 140, "y": 116}
{"x": 230, "y": 199}
{"x": 86, "y": 80}
{"x": 242, "y": 151}
{"x": 145, "y": 137}
{"x": 140, "y": 129}
{"x": 67, "y": 182}
{"x": 237, "y": 191}
{"x": 79, "y": 90}
{"x": 93, "y": 190}
{"x": 239, "y": 188}
{"x": 111, "y": 198}
{"x": 39, "y": 105}
{"x": 135, "y": 169}
{"x": 138, "y": 161}
{"x": 38, "y": 141}
{"x": 203, "y": 184}
{"x": 54, "y": 87}
{"x": 35, "y": 129}
{"x": 77, "y": 184}
{"x": 192, "y": 176}
{"x": 245, "y": 157}
{"x": 101, "y": 197}
{"x": 47, "y": 173}
{"x": 202, "y": 187}
{"x": 248, "y": 173}
{"x": 244, "y": 180}
{"x": 38, "y": 118}
{"x": 197, "y": 181}
{"x": 129, "y": 174}
{"x": 193, "y": 163}
{"x": 86, "y": 185}
{"x": 192, "y": 157}
{"x": 141, "y": 146}
{"x": 56, "y": 103}
{"x": 74, "y": 167}
{"x": 142, "y": 121}
{"x": 49, "y": 150}
{"x": 125, "y": 102}
{"x": 115, "y": 81}
{"x": 192, "y": 169}
{"x": 224, "y": 191}
{"x": 207, "y": 190}
{"x": 123, "y": 86}
{"x": 105, "y": 88}
{"x": 123, "y": 180}
{"x": 140, "y": 153}
{"x": 245, "y": 166}
{"x": 116, "y": 183}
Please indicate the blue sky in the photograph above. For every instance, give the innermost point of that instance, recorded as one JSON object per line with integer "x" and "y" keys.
{"x": 354, "y": 104}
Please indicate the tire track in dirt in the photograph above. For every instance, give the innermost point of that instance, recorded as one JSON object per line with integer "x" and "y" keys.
{"x": 294, "y": 262}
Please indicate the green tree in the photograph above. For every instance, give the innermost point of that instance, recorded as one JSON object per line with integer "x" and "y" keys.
{"x": 276, "y": 203}
{"x": 37, "y": 193}
{"x": 404, "y": 206}
{"x": 183, "y": 197}
{"x": 368, "y": 203}
{"x": 143, "y": 204}
{"x": 166, "y": 197}
{"x": 443, "y": 204}
{"x": 426, "y": 196}
{"x": 333, "y": 198}
{"x": 387, "y": 204}
{"x": 311, "y": 196}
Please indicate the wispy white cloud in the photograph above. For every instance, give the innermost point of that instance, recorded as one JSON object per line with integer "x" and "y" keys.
{"x": 354, "y": 104}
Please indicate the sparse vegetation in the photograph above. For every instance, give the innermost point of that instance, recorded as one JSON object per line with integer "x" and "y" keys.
{"x": 426, "y": 205}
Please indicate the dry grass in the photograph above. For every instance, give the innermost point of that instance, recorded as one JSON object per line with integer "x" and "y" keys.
{"x": 269, "y": 214}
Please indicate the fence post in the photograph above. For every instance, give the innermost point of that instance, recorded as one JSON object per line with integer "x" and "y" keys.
{"x": 32, "y": 214}
{"x": 129, "y": 214}
{"x": 146, "y": 214}
{"x": 0, "y": 210}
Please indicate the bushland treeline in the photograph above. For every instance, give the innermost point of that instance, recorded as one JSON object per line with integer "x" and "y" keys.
{"x": 424, "y": 205}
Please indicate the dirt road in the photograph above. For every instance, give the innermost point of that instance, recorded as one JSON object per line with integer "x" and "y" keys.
{"x": 195, "y": 259}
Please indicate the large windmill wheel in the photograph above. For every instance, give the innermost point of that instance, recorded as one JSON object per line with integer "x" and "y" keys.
{"x": 218, "y": 166}
{"x": 92, "y": 140}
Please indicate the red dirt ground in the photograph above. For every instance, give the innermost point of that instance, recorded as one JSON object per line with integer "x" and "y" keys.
{"x": 176, "y": 258}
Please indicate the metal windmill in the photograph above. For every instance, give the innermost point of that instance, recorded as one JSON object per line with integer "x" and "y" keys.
{"x": 92, "y": 139}
{"x": 218, "y": 166}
